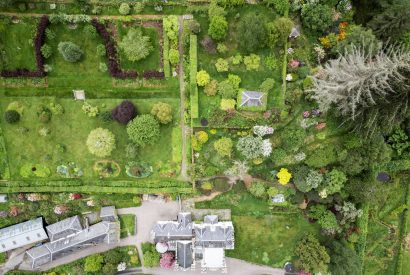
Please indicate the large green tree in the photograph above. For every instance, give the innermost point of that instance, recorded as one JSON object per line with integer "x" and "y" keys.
{"x": 371, "y": 93}
{"x": 393, "y": 19}
{"x": 311, "y": 255}
{"x": 343, "y": 260}
{"x": 252, "y": 32}
{"x": 135, "y": 45}
{"x": 143, "y": 130}
{"x": 218, "y": 27}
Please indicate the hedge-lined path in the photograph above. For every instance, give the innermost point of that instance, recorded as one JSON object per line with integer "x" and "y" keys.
{"x": 113, "y": 17}
{"x": 185, "y": 130}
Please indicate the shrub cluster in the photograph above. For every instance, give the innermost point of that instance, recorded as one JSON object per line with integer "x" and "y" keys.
{"x": 38, "y": 43}
{"x": 113, "y": 62}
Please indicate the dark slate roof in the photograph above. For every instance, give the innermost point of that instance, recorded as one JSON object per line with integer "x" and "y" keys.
{"x": 108, "y": 211}
{"x": 22, "y": 234}
{"x": 214, "y": 235}
{"x": 64, "y": 228}
{"x": 167, "y": 231}
{"x": 184, "y": 254}
{"x": 184, "y": 218}
{"x": 251, "y": 99}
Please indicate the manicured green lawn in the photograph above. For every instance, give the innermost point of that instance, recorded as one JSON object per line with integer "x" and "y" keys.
{"x": 269, "y": 240}
{"x": 84, "y": 73}
{"x": 18, "y": 44}
{"x": 239, "y": 201}
{"x": 383, "y": 236}
{"x": 71, "y": 130}
{"x": 127, "y": 223}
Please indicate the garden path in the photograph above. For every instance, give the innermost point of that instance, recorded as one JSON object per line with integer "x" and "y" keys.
{"x": 184, "y": 128}
{"x": 114, "y": 17}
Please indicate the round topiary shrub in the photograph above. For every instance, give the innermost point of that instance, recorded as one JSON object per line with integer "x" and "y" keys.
{"x": 143, "y": 130}
{"x": 101, "y": 142}
{"x": 124, "y": 9}
{"x": 11, "y": 116}
{"x": 70, "y": 51}
{"x": 124, "y": 112}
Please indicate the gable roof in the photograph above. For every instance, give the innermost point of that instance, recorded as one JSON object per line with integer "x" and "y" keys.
{"x": 220, "y": 235}
{"x": 166, "y": 231}
{"x": 22, "y": 234}
{"x": 251, "y": 99}
{"x": 64, "y": 228}
{"x": 184, "y": 254}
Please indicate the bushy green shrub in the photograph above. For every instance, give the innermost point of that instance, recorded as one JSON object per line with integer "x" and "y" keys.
{"x": 235, "y": 80}
{"x": 227, "y": 104}
{"x": 101, "y": 142}
{"x": 292, "y": 138}
{"x": 317, "y": 17}
{"x": 70, "y": 51}
{"x": 124, "y": 9}
{"x": 50, "y": 34}
{"x": 56, "y": 108}
{"x": 93, "y": 263}
{"x": 223, "y": 146}
{"x": 211, "y": 88}
{"x": 135, "y": 45}
{"x": 101, "y": 50}
{"x": 236, "y": 59}
{"x": 89, "y": 110}
{"x": 202, "y": 78}
{"x": 143, "y": 130}
{"x": 207, "y": 186}
{"x": 102, "y": 67}
{"x": 11, "y": 116}
{"x": 222, "y": 65}
{"x": 218, "y": 27}
{"x": 221, "y": 48}
{"x": 226, "y": 90}
{"x": 138, "y": 7}
{"x": 258, "y": 189}
{"x": 173, "y": 56}
{"x": 163, "y": 112}
{"x": 267, "y": 85}
{"x": 44, "y": 114}
{"x": 322, "y": 156}
{"x": 46, "y": 50}
{"x": 278, "y": 154}
{"x": 90, "y": 31}
{"x": 252, "y": 62}
{"x": 252, "y": 33}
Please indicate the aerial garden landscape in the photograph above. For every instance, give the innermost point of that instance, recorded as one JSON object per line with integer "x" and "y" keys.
{"x": 292, "y": 114}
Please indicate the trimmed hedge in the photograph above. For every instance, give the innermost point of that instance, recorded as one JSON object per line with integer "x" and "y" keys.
{"x": 143, "y": 186}
{"x": 165, "y": 50}
{"x": 362, "y": 224}
{"x": 403, "y": 233}
{"x": 113, "y": 62}
{"x": 193, "y": 67}
{"x": 38, "y": 43}
{"x": 4, "y": 164}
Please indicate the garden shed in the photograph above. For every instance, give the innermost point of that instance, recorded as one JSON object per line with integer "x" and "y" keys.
{"x": 252, "y": 100}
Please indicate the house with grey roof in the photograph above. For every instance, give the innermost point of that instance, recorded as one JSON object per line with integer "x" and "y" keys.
{"x": 64, "y": 228}
{"x": 193, "y": 243}
{"x": 252, "y": 100}
{"x": 69, "y": 235}
{"x": 22, "y": 234}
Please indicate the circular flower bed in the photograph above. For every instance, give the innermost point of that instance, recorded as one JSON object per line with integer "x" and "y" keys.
{"x": 138, "y": 169}
{"x": 107, "y": 168}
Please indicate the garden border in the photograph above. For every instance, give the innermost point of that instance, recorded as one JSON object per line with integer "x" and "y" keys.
{"x": 38, "y": 43}
{"x": 193, "y": 68}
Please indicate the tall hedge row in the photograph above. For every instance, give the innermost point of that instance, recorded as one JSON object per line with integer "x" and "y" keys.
{"x": 4, "y": 164}
{"x": 193, "y": 67}
{"x": 165, "y": 50}
{"x": 362, "y": 224}
{"x": 403, "y": 233}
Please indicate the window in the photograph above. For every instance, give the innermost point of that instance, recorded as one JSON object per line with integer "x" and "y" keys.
{"x": 27, "y": 238}
{"x": 38, "y": 235}
{"x": 14, "y": 242}
{"x": 2, "y": 245}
